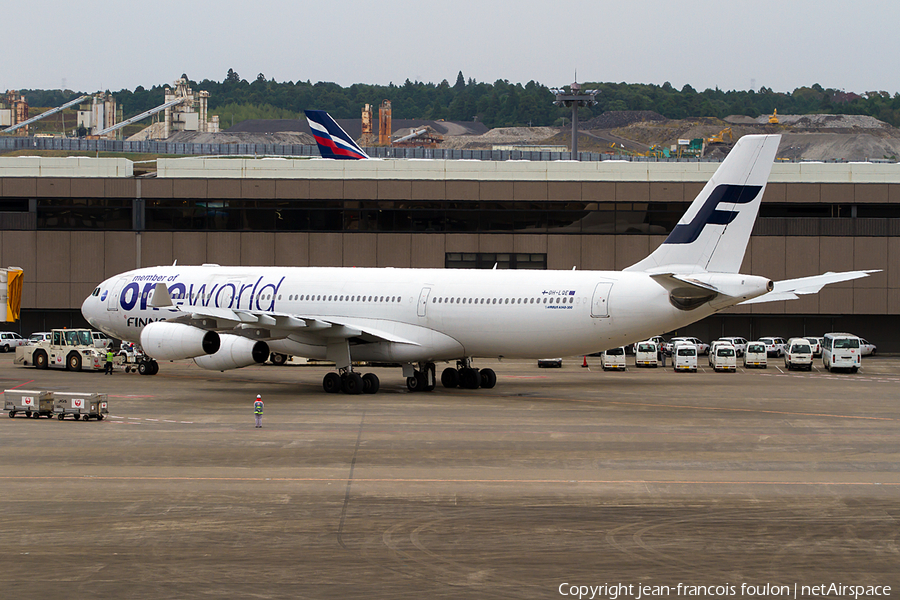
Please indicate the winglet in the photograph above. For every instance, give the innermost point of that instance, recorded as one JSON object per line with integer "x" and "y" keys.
{"x": 333, "y": 141}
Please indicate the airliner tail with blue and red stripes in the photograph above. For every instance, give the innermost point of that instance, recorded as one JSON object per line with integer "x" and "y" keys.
{"x": 332, "y": 140}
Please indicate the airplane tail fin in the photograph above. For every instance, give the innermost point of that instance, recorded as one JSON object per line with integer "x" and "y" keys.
{"x": 333, "y": 141}
{"x": 713, "y": 234}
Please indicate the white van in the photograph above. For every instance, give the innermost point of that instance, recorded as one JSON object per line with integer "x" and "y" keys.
{"x": 755, "y": 355}
{"x": 841, "y": 351}
{"x": 645, "y": 354}
{"x": 613, "y": 359}
{"x": 684, "y": 357}
{"x": 798, "y": 354}
{"x": 722, "y": 356}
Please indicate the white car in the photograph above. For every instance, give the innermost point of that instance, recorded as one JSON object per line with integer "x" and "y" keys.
{"x": 866, "y": 348}
{"x": 645, "y": 354}
{"x": 798, "y": 354}
{"x": 613, "y": 359}
{"x": 100, "y": 340}
{"x": 816, "y": 344}
{"x": 756, "y": 356}
{"x": 739, "y": 343}
{"x": 10, "y": 341}
{"x": 722, "y": 356}
{"x": 702, "y": 348}
{"x": 39, "y": 336}
{"x": 774, "y": 345}
{"x": 684, "y": 357}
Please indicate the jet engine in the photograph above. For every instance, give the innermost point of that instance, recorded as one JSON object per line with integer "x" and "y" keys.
{"x": 173, "y": 341}
{"x": 236, "y": 352}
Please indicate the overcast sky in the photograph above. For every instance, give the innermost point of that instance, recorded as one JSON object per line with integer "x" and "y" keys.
{"x": 92, "y": 45}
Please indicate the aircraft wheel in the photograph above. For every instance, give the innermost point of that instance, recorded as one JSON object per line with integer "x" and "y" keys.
{"x": 279, "y": 359}
{"x": 154, "y": 367}
{"x": 417, "y": 383}
{"x": 450, "y": 378}
{"x": 370, "y": 383}
{"x": 332, "y": 383}
{"x": 352, "y": 383}
{"x": 143, "y": 368}
{"x": 470, "y": 378}
{"x": 488, "y": 378}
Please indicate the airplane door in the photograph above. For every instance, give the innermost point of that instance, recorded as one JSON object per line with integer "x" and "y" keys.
{"x": 600, "y": 302}
{"x": 423, "y": 301}
{"x": 112, "y": 301}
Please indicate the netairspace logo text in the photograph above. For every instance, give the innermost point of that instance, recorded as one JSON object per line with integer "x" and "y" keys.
{"x": 612, "y": 591}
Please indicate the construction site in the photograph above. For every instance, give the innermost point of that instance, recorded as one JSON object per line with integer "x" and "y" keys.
{"x": 182, "y": 117}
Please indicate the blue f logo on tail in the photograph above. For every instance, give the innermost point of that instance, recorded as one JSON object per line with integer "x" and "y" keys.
{"x": 333, "y": 141}
{"x": 711, "y": 214}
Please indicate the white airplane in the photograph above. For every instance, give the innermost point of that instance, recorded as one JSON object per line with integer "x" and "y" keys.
{"x": 231, "y": 317}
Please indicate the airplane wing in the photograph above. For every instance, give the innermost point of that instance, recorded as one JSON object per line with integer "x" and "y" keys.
{"x": 791, "y": 289}
{"x": 279, "y": 325}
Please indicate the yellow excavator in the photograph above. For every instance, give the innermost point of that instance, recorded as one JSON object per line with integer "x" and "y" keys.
{"x": 719, "y": 138}
{"x": 773, "y": 118}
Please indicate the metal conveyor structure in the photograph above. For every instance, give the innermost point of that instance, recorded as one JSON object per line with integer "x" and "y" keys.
{"x": 143, "y": 115}
{"x": 52, "y": 111}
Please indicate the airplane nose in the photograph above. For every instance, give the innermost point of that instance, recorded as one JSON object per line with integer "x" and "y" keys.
{"x": 89, "y": 308}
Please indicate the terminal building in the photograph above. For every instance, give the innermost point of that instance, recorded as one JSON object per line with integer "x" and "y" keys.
{"x": 73, "y": 222}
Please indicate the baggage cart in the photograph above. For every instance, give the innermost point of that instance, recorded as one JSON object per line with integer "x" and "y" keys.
{"x": 31, "y": 403}
{"x": 80, "y": 406}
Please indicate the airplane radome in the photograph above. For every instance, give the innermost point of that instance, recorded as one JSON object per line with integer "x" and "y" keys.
{"x": 230, "y": 317}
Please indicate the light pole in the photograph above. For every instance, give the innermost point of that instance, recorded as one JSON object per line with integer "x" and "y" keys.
{"x": 575, "y": 98}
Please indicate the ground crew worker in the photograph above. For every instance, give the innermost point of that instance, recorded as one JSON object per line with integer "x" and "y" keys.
{"x": 258, "y": 410}
{"x": 109, "y": 362}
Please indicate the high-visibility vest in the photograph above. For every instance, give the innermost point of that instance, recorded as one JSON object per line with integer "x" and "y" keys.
{"x": 258, "y": 407}
{"x": 109, "y": 356}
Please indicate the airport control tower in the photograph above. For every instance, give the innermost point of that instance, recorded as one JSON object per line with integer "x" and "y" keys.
{"x": 575, "y": 98}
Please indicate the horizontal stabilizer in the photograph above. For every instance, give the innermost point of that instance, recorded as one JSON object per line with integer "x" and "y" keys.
{"x": 791, "y": 289}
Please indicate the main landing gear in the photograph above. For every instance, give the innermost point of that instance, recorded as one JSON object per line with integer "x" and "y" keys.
{"x": 148, "y": 366}
{"x": 350, "y": 382}
{"x": 468, "y": 377}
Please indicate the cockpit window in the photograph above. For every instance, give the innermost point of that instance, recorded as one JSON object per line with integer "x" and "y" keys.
{"x": 96, "y": 292}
